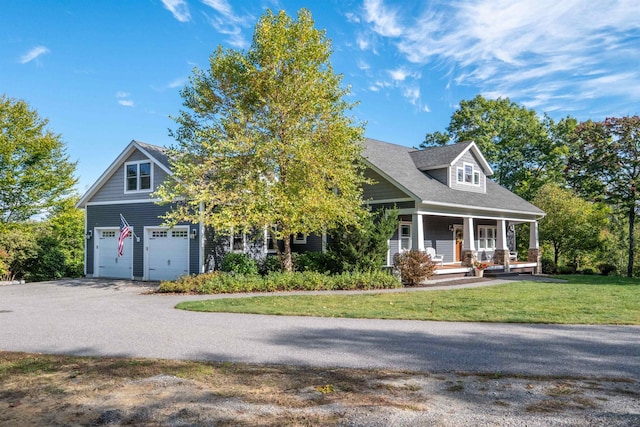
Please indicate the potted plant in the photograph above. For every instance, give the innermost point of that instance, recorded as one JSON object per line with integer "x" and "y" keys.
{"x": 479, "y": 267}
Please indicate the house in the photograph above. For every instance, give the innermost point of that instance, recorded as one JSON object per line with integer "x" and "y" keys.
{"x": 445, "y": 199}
{"x": 447, "y": 202}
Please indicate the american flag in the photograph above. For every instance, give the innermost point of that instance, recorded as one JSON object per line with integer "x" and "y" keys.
{"x": 124, "y": 233}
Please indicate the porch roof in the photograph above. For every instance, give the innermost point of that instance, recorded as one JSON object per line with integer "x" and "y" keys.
{"x": 396, "y": 164}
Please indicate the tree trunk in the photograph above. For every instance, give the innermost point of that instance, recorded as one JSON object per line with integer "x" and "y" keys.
{"x": 287, "y": 262}
{"x": 632, "y": 240}
{"x": 556, "y": 248}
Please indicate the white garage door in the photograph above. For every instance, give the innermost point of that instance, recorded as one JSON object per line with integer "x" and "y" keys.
{"x": 167, "y": 253}
{"x": 107, "y": 261}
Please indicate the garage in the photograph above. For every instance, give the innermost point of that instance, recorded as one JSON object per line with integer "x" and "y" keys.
{"x": 107, "y": 261}
{"x": 167, "y": 253}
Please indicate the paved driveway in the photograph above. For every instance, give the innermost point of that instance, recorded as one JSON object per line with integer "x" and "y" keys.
{"x": 116, "y": 318}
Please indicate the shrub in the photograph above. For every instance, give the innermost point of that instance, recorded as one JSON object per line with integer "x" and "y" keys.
{"x": 548, "y": 266}
{"x": 221, "y": 282}
{"x": 239, "y": 263}
{"x": 269, "y": 264}
{"x": 312, "y": 261}
{"x": 587, "y": 271}
{"x": 413, "y": 266}
{"x": 607, "y": 269}
{"x": 565, "y": 269}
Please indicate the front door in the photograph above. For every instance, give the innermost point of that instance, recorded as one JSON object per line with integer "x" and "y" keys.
{"x": 457, "y": 239}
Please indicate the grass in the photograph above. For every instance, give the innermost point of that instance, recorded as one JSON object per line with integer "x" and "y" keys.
{"x": 582, "y": 300}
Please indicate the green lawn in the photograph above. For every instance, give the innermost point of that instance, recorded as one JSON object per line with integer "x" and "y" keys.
{"x": 583, "y": 300}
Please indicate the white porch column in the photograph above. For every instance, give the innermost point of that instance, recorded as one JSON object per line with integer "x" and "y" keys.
{"x": 469, "y": 253}
{"x": 468, "y": 237}
{"x": 533, "y": 235}
{"x": 501, "y": 237}
{"x": 534, "y": 247}
{"x": 417, "y": 234}
{"x": 501, "y": 252}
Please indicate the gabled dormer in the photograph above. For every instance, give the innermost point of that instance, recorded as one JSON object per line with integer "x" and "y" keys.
{"x": 459, "y": 166}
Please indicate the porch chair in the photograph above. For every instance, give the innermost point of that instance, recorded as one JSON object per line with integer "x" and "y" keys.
{"x": 513, "y": 256}
{"x": 434, "y": 257}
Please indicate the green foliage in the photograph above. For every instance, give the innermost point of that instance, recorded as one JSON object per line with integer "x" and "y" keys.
{"x": 239, "y": 263}
{"x": 588, "y": 271}
{"x": 265, "y": 141}
{"x": 607, "y": 269}
{"x": 220, "y": 282}
{"x": 312, "y": 261}
{"x": 524, "y": 151}
{"x": 45, "y": 250}
{"x": 414, "y": 266}
{"x": 269, "y": 264}
{"x": 605, "y": 166}
{"x": 35, "y": 171}
{"x": 363, "y": 247}
{"x": 548, "y": 265}
{"x": 572, "y": 226}
{"x": 565, "y": 269}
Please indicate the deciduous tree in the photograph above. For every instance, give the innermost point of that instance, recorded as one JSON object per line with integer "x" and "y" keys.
{"x": 605, "y": 165}
{"x": 524, "y": 150}
{"x": 265, "y": 140}
{"x": 35, "y": 171}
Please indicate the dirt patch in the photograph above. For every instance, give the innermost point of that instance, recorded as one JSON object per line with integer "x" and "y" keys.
{"x": 66, "y": 391}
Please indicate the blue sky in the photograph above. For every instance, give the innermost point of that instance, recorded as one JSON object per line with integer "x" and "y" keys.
{"x": 105, "y": 72}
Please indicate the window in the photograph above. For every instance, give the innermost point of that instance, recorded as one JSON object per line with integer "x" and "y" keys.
{"x": 468, "y": 175}
{"x": 137, "y": 176}
{"x": 269, "y": 244}
{"x": 487, "y": 237}
{"x": 405, "y": 237}
{"x": 158, "y": 234}
{"x": 179, "y": 233}
{"x": 238, "y": 242}
{"x": 300, "y": 239}
{"x": 107, "y": 234}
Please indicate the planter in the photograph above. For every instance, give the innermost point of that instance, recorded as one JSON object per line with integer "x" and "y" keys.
{"x": 479, "y": 273}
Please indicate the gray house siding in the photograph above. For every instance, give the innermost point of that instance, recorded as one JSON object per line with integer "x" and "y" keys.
{"x": 138, "y": 215}
{"x": 113, "y": 188}
{"x": 438, "y": 236}
{"x": 468, "y": 158}
{"x": 382, "y": 190}
{"x": 441, "y": 175}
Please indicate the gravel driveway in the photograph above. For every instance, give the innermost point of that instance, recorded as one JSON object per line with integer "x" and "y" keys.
{"x": 93, "y": 317}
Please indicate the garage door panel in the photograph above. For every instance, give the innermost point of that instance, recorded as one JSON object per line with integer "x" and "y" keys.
{"x": 167, "y": 253}
{"x": 108, "y": 263}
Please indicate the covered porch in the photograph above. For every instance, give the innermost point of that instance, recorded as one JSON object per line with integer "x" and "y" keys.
{"x": 460, "y": 240}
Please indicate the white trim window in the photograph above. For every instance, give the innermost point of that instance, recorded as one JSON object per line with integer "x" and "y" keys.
{"x": 269, "y": 243}
{"x": 404, "y": 236}
{"x": 300, "y": 239}
{"x": 238, "y": 242}
{"x": 468, "y": 175}
{"x": 487, "y": 237}
{"x": 138, "y": 176}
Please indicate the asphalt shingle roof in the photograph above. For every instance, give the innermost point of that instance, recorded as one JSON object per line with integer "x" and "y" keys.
{"x": 398, "y": 163}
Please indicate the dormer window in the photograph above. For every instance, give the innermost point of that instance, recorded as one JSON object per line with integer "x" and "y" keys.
{"x": 137, "y": 176}
{"x": 467, "y": 174}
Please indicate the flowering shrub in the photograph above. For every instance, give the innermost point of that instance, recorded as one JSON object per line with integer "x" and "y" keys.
{"x": 480, "y": 265}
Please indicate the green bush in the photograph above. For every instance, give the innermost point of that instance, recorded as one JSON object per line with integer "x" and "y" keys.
{"x": 565, "y": 269}
{"x": 221, "y": 282}
{"x": 607, "y": 269}
{"x": 588, "y": 272}
{"x": 269, "y": 264}
{"x": 548, "y": 266}
{"x": 312, "y": 261}
{"x": 413, "y": 266}
{"x": 239, "y": 263}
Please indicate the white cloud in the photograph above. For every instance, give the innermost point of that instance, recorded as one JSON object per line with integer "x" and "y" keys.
{"x": 122, "y": 98}
{"x": 179, "y": 82}
{"x": 179, "y": 9}
{"x": 533, "y": 52}
{"x": 227, "y": 22}
{"x": 384, "y": 19}
{"x": 33, "y": 54}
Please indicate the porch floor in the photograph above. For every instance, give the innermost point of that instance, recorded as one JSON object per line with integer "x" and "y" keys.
{"x": 456, "y": 267}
